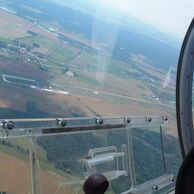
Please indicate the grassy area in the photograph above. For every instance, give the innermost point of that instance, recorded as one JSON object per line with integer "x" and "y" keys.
{"x": 39, "y": 39}
{"x": 57, "y": 54}
{"x": 16, "y": 170}
{"x": 62, "y": 54}
{"x": 12, "y": 24}
{"x": 104, "y": 63}
{"x": 19, "y": 147}
{"x": 24, "y": 143}
{"x": 89, "y": 80}
{"x": 12, "y": 151}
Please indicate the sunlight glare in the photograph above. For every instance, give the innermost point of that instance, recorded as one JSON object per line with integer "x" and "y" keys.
{"x": 120, "y": 5}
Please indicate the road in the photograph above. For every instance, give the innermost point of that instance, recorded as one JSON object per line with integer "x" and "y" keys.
{"x": 71, "y": 89}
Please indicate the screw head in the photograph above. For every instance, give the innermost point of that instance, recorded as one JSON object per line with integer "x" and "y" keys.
{"x": 165, "y": 118}
{"x": 155, "y": 187}
{"x": 61, "y": 122}
{"x": 172, "y": 179}
{"x": 99, "y": 121}
{"x": 149, "y": 119}
{"x": 127, "y": 119}
{"x": 10, "y": 125}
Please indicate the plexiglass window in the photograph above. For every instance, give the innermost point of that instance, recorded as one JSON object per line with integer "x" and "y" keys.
{"x": 69, "y": 69}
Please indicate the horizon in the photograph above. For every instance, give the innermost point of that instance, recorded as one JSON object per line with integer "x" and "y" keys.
{"x": 164, "y": 15}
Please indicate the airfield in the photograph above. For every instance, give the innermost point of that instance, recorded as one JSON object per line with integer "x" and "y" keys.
{"x": 47, "y": 71}
{"x": 99, "y": 85}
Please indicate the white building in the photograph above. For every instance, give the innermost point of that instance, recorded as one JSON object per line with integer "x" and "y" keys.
{"x": 70, "y": 73}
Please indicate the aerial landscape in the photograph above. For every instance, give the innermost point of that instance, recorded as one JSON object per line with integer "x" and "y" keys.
{"x": 67, "y": 59}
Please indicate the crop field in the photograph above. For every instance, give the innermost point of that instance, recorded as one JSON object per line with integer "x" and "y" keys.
{"x": 57, "y": 66}
{"x": 12, "y": 23}
{"x": 100, "y": 79}
{"x": 14, "y": 182}
{"x": 9, "y": 24}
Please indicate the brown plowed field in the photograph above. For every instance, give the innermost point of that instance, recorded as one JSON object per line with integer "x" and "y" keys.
{"x": 15, "y": 177}
{"x": 12, "y": 23}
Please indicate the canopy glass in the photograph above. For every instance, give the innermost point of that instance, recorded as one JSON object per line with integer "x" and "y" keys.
{"x": 76, "y": 66}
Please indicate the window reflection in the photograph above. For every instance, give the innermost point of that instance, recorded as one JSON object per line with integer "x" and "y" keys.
{"x": 88, "y": 59}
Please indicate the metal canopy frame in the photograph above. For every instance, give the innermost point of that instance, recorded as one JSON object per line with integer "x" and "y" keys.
{"x": 11, "y": 128}
{"x": 17, "y": 128}
{"x": 184, "y": 92}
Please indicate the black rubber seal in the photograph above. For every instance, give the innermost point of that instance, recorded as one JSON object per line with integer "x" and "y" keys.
{"x": 179, "y": 69}
{"x": 184, "y": 182}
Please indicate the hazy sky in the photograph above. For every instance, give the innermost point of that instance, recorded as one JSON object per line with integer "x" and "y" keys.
{"x": 172, "y": 16}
